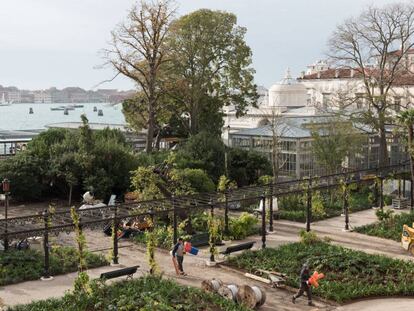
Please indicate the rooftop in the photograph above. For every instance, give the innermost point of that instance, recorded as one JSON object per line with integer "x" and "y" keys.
{"x": 12, "y": 136}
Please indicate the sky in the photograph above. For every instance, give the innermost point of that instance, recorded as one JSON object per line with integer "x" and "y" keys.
{"x": 45, "y": 43}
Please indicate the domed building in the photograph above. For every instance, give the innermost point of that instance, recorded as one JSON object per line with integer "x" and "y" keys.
{"x": 288, "y": 96}
{"x": 287, "y": 93}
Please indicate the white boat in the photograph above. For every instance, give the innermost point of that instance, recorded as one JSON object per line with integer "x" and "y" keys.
{"x": 3, "y": 101}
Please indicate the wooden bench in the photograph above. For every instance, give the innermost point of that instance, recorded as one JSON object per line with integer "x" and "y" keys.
{"x": 238, "y": 247}
{"x": 200, "y": 239}
{"x": 129, "y": 272}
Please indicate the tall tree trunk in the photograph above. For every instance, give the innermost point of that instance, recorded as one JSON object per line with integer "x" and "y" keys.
{"x": 70, "y": 194}
{"x": 383, "y": 151}
{"x": 151, "y": 125}
{"x": 158, "y": 140}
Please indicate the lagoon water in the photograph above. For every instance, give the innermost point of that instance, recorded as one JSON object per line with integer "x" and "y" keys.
{"x": 17, "y": 117}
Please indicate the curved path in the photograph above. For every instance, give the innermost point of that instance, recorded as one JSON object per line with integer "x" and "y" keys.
{"x": 387, "y": 304}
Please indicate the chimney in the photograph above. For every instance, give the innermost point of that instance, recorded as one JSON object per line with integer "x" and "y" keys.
{"x": 352, "y": 72}
{"x": 336, "y": 73}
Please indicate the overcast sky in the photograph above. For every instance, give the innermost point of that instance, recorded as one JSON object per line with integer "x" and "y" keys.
{"x": 46, "y": 43}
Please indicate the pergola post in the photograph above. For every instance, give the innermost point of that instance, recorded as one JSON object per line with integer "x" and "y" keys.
{"x": 263, "y": 198}
{"x": 46, "y": 247}
{"x": 309, "y": 206}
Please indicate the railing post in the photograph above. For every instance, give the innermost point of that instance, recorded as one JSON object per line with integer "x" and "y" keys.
{"x": 6, "y": 232}
{"x": 226, "y": 213}
{"x": 115, "y": 235}
{"x": 271, "y": 209}
{"x": 263, "y": 198}
{"x": 175, "y": 225}
{"x": 46, "y": 246}
{"x": 212, "y": 259}
{"x": 381, "y": 193}
{"x": 309, "y": 206}
{"x": 346, "y": 206}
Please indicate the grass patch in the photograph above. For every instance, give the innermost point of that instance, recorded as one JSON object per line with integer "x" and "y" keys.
{"x": 144, "y": 294}
{"x": 349, "y": 274}
{"x": 390, "y": 228}
{"x": 24, "y": 265}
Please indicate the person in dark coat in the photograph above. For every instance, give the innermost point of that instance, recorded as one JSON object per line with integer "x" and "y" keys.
{"x": 178, "y": 252}
{"x": 304, "y": 285}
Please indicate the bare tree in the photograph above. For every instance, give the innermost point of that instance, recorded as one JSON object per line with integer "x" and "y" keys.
{"x": 138, "y": 51}
{"x": 375, "y": 45}
{"x": 277, "y": 124}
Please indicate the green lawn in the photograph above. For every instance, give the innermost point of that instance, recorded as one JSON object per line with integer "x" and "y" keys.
{"x": 18, "y": 266}
{"x": 390, "y": 228}
{"x": 349, "y": 274}
{"x": 144, "y": 294}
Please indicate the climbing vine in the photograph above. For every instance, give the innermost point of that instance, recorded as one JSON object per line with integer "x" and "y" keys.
{"x": 81, "y": 283}
{"x": 151, "y": 240}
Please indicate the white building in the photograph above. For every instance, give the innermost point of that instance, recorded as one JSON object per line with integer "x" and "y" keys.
{"x": 42, "y": 97}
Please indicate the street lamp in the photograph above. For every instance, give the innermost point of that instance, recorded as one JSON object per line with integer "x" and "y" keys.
{"x": 6, "y": 190}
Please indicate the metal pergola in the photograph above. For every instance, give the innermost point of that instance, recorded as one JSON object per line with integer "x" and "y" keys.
{"x": 46, "y": 223}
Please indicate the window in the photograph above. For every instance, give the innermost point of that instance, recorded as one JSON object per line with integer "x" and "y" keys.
{"x": 326, "y": 99}
{"x": 397, "y": 104}
{"x": 309, "y": 99}
{"x": 359, "y": 100}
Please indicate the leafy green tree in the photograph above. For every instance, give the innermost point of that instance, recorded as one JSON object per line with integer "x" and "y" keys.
{"x": 60, "y": 162}
{"x": 210, "y": 67}
{"x": 246, "y": 166}
{"x": 205, "y": 152}
{"x": 180, "y": 182}
{"x": 25, "y": 174}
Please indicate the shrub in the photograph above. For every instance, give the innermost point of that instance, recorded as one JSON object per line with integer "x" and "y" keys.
{"x": 146, "y": 293}
{"x": 243, "y": 226}
{"x": 308, "y": 238}
{"x": 18, "y": 266}
{"x": 384, "y": 215}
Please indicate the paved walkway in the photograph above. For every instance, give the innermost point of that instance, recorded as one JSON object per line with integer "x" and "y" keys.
{"x": 284, "y": 232}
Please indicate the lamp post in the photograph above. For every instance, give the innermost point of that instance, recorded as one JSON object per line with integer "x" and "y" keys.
{"x": 6, "y": 190}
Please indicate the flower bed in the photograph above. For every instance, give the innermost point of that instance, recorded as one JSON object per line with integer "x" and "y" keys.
{"x": 349, "y": 274}
{"x": 25, "y": 265}
{"x": 390, "y": 228}
{"x": 147, "y": 293}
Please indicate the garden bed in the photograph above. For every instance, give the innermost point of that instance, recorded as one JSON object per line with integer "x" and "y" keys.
{"x": 349, "y": 274}
{"x": 390, "y": 228}
{"x": 25, "y": 265}
{"x": 147, "y": 293}
{"x": 293, "y": 208}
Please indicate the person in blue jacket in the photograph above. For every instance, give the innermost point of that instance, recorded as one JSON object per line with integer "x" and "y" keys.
{"x": 178, "y": 252}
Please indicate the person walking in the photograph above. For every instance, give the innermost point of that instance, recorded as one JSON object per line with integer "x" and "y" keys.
{"x": 178, "y": 253}
{"x": 304, "y": 285}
